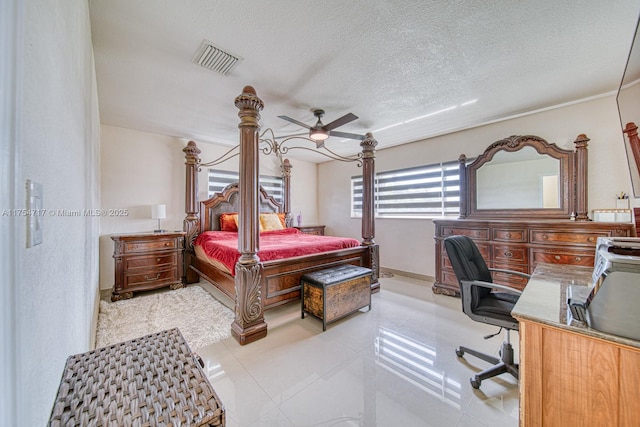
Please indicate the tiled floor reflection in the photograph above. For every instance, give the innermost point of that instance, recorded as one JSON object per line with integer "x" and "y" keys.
{"x": 392, "y": 366}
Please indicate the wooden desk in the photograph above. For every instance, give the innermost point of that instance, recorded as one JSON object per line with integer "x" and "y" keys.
{"x": 571, "y": 374}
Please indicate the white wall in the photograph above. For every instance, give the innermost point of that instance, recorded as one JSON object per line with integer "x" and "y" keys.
{"x": 57, "y": 138}
{"x": 140, "y": 169}
{"x": 407, "y": 244}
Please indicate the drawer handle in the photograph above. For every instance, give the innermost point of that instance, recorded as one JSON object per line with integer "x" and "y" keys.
{"x": 167, "y": 244}
{"x": 591, "y": 239}
{"x": 578, "y": 258}
{"x": 544, "y": 236}
{"x": 158, "y": 259}
{"x": 508, "y": 254}
{"x": 146, "y": 277}
{"x": 508, "y": 235}
{"x": 557, "y": 257}
{"x": 476, "y": 233}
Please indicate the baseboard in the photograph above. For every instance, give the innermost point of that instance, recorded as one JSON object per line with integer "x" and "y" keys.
{"x": 105, "y": 294}
{"x": 424, "y": 277}
{"x": 94, "y": 323}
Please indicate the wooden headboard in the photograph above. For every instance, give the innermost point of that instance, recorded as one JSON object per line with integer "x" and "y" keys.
{"x": 228, "y": 201}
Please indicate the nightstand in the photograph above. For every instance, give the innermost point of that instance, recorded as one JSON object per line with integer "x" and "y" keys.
{"x": 318, "y": 230}
{"x": 145, "y": 261}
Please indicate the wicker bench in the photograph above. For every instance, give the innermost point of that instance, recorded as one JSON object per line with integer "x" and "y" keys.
{"x": 154, "y": 380}
{"x": 336, "y": 292}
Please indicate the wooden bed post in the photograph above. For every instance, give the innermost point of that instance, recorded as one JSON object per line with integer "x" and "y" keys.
{"x": 286, "y": 177}
{"x": 462, "y": 172}
{"x": 249, "y": 324}
{"x": 368, "y": 212}
{"x": 191, "y": 224}
{"x": 581, "y": 172}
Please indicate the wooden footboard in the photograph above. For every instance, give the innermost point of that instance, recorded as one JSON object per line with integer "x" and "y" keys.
{"x": 280, "y": 282}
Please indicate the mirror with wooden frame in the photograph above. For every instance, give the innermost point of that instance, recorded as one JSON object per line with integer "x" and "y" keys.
{"x": 525, "y": 177}
{"x": 628, "y": 99}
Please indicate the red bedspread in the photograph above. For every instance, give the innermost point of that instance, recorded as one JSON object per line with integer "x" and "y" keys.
{"x": 276, "y": 244}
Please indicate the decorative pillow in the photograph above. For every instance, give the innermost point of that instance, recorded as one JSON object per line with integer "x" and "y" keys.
{"x": 283, "y": 219}
{"x": 270, "y": 221}
{"x": 229, "y": 222}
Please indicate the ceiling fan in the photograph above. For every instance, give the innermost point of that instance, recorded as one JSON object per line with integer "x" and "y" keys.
{"x": 319, "y": 132}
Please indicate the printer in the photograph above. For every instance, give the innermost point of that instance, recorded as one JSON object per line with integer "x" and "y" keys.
{"x": 613, "y": 305}
{"x": 616, "y": 254}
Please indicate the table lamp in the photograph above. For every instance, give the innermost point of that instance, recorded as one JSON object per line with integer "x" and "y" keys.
{"x": 158, "y": 212}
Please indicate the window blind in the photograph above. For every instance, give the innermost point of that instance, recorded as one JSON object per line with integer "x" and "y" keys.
{"x": 430, "y": 190}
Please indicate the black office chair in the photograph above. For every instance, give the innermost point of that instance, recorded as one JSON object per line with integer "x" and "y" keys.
{"x": 484, "y": 301}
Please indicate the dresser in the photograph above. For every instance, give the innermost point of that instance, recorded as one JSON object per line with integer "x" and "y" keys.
{"x": 145, "y": 261}
{"x": 521, "y": 244}
{"x": 317, "y": 230}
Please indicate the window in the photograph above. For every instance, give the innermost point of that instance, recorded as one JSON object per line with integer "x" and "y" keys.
{"x": 219, "y": 179}
{"x": 424, "y": 191}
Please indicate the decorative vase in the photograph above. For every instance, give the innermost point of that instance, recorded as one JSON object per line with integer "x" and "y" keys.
{"x": 299, "y": 219}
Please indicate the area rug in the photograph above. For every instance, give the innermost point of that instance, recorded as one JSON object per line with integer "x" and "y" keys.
{"x": 201, "y": 318}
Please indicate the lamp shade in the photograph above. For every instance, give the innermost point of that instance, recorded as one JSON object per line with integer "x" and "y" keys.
{"x": 158, "y": 211}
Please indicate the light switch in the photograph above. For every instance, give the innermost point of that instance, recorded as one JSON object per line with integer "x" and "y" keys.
{"x": 34, "y": 213}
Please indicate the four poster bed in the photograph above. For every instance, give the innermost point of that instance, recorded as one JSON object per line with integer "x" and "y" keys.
{"x": 262, "y": 276}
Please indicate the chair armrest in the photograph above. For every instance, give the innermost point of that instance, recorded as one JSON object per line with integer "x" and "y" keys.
{"x": 467, "y": 286}
{"x": 516, "y": 273}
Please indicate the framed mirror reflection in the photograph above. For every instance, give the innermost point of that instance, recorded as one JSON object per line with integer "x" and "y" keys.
{"x": 628, "y": 100}
{"x": 524, "y": 176}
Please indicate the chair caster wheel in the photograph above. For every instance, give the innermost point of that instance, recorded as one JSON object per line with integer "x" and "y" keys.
{"x": 474, "y": 383}
{"x": 459, "y": 352}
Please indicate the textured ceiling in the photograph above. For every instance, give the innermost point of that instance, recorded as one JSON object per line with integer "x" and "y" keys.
{"x": 385, "y": 61}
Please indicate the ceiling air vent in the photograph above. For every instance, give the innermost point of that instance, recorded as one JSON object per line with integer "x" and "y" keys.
{"x": 213, "y": 58}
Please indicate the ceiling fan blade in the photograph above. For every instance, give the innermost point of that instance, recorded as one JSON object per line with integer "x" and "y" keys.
{"x": 291, "y": 136}
{"x": 289, "y": 119}
{"x": 347, "y": 135}
{"x": 341, "y": 121}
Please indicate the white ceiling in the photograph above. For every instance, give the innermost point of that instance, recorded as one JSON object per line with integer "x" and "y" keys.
{"x": 385, "y": 61}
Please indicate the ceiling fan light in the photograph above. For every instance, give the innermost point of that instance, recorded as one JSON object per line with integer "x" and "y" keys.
{"x": 318, "y": 134}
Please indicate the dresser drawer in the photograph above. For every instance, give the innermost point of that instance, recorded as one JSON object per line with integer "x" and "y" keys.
{"x": 151, "y": 277}
{"x": 474, "y": 233}
{"x": 509, "y": 235}
{"x": 514, "y": 280}
{"x": 567, "y": 238}
{"x": 150, "y": 261}
{"x": 150, "y": 245}
{"x": 449, "y": 277}
{"x": 583, "y": 258}
{"x": 483, "y": 248}
{"x": 510, "y": 253}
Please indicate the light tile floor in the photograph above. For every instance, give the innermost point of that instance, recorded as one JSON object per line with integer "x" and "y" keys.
{"x": 392, "y": 366}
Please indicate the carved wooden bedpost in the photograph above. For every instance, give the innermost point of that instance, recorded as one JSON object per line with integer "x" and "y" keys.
{"x": 462, "y": 173}
{"x": 368, "y": 212}
{"x": 631, "y": 130}
{"x": 286, "y": 177}
{"x": 191, "y": 224}
{"x": 249, "y": 324}
{"x": 582, "y": 170}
